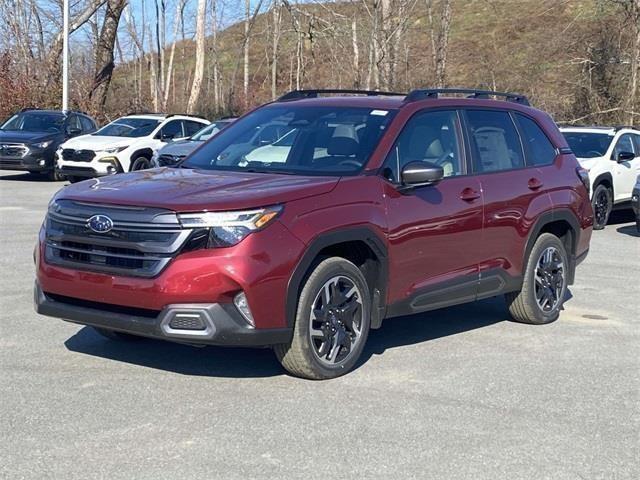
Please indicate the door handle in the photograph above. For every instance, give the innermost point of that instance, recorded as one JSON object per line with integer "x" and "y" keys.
{"x": 469, "y": 195}
{"x": 534, "y": 184}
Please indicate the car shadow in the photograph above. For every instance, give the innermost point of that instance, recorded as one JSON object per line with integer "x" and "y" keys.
{"x": 258, "y": 363}
{"x": 26, "y": 177}
{"x": 621, "y": 216}
{"x": 631, "y": 230}
{"x": 424, "y": 327}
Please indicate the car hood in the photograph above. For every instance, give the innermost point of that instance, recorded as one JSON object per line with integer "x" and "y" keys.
{"x": 181, "y": 147}
{"x": 96, "y": 142}
{"x": 589, "y": 163}
{"x": 190, "y": 190}
{"x": 9, "y": 136}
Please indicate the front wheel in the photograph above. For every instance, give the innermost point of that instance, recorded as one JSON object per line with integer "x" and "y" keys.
{"x": 602, "y": 203}
{"x": 545, "y": 283}
{"x": 141, "y": 163}
{"x": 55, "y": 176}
{"x": 332, "y": 322}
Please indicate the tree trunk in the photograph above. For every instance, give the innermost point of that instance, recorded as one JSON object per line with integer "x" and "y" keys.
{"x": 104, "y": 55}
{"x": 176, "y": 28}
{"x": 274, "y": 48}
{"x": 200, "y": 53}
{"x": 245, "y": 80}
{"x": 356, "y": 54}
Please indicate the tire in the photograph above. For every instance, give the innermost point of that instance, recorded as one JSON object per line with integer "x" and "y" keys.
{"x": 73, "y": 179}
{"x": 55, "y": 176}
{"x": 525, "y": 305}
{"x": 118, "y": 336}
{"x": 602, "y": 203}
{"x": 141, "y": 163}
{"x": 341, "y": 327}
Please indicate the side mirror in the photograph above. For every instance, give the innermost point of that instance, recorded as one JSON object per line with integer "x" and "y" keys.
{"x": 625, "y": 156}
{"x": 419, "y": 174}
{"x": 73, "y": 132}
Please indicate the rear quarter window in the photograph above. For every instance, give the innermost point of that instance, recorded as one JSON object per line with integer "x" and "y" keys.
{"x": 540, "y": 151}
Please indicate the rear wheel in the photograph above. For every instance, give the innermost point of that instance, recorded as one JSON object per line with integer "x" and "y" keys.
{"x": 602, "y": 203}
{"x": 332, "y": 322}
{"x": 545, "y": 283}
{"x": 119, "y": 336}
{"x": 141, "y": 163}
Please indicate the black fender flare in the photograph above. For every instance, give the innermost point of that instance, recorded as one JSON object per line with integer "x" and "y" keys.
{"x": 143, "y": 152}
{"x": 334, "y": 237}
{"x": 554, "y": 216}
{"x": 603, "y": 176}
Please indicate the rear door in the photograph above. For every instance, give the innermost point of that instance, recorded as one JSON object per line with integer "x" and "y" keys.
{"x": 514, "y": 195}
{"x": 433, "y": 231}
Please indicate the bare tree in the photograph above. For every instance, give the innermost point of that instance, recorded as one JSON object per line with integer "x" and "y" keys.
{"x": 440, "y": 39}
{"x": 104, "y": 57}
{"x": 275, "y": 41}
{"x": 200, "y": 54}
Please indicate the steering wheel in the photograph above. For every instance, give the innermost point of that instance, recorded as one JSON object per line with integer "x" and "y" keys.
{"x": 594, "y": 153}
{"x": 353, "y": 163}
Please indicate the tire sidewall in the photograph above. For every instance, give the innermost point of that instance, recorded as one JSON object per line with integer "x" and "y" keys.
{"x": 596, "y": 192}
{"x": 326, "y": 270}
{"x": 545, "y": 241}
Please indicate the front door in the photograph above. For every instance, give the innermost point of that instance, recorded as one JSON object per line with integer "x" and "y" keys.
{"x": 434, "y": 231}
{"x": 625, "y": 172}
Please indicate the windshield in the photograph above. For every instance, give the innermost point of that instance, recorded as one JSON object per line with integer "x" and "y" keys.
{"x": 128, "y": 127}
{"x": 35, "y": 121}
{"x": 296, "y": 140}
{"x": 588, "y": 144}
{"x": 209, "y": 131}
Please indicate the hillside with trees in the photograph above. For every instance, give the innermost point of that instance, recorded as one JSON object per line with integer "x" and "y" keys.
{"x": 577, "y": 59}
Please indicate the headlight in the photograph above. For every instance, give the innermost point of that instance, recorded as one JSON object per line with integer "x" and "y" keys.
{"x": 227, "y": 228}
{"x": 42, "y": 144}
{"x": 114, "y": 149}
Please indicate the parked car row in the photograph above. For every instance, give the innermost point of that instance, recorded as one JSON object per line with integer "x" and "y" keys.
{"x": 68, "y": 144}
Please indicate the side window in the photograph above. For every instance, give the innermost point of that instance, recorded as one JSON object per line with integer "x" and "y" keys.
{"x": 427, "y": 137}
{"x": 73, "y": 123}
{"x": 625, "y": 144}
{"x": 539, "y": 149}
{"x": 87, "y": 124}
{"x": 494, "y": 140}
{"x": 636, "y": 142}
{"x": 191, "y": 127}
{"x": 172, "y": 129}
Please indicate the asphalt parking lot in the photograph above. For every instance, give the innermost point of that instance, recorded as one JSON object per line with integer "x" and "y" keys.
{"x": 456, "y": 393}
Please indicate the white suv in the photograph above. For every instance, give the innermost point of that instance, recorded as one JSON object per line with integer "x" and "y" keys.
{"x": 124, "y": 145}
{"x": 611, "y": 155}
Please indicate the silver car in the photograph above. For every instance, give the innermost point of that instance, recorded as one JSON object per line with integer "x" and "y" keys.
{"x": 171, "y": 154}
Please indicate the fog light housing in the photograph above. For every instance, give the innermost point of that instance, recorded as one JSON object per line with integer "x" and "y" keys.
{"x": 240, "y": 301}
{"x": 41, "y": 162}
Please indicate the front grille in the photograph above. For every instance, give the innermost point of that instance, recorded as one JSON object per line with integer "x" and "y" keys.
{"x": 141, "y": 243}
{"x": 77, "y": 155}
{"x": 13, "y": 150}
{"x": 167, "y": 159}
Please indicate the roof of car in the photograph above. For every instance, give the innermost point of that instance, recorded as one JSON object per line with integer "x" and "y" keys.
{"x": 610, "y": 130}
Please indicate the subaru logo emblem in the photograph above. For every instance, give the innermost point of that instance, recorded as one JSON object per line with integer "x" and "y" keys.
{"x": 100, "y": 223}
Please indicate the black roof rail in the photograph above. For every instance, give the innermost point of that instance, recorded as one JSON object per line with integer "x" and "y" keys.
{"x": 145, "y": 113}
{"x": 423, "y": 94}
{"x": 301, "y": 94}
{"x": 185, "y": 115}
{"x": 621, "y": 127}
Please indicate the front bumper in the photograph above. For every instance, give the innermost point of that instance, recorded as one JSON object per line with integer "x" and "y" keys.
{"x": 100, "y": 166}
{"x": 34, "y": 161}
{"x": 203, "y": 324}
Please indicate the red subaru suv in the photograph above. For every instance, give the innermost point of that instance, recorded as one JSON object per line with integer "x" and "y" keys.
{"x": 313, "y": 218}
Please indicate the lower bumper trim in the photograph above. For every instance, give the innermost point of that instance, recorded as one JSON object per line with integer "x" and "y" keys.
{"x": 222, "y": 325}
